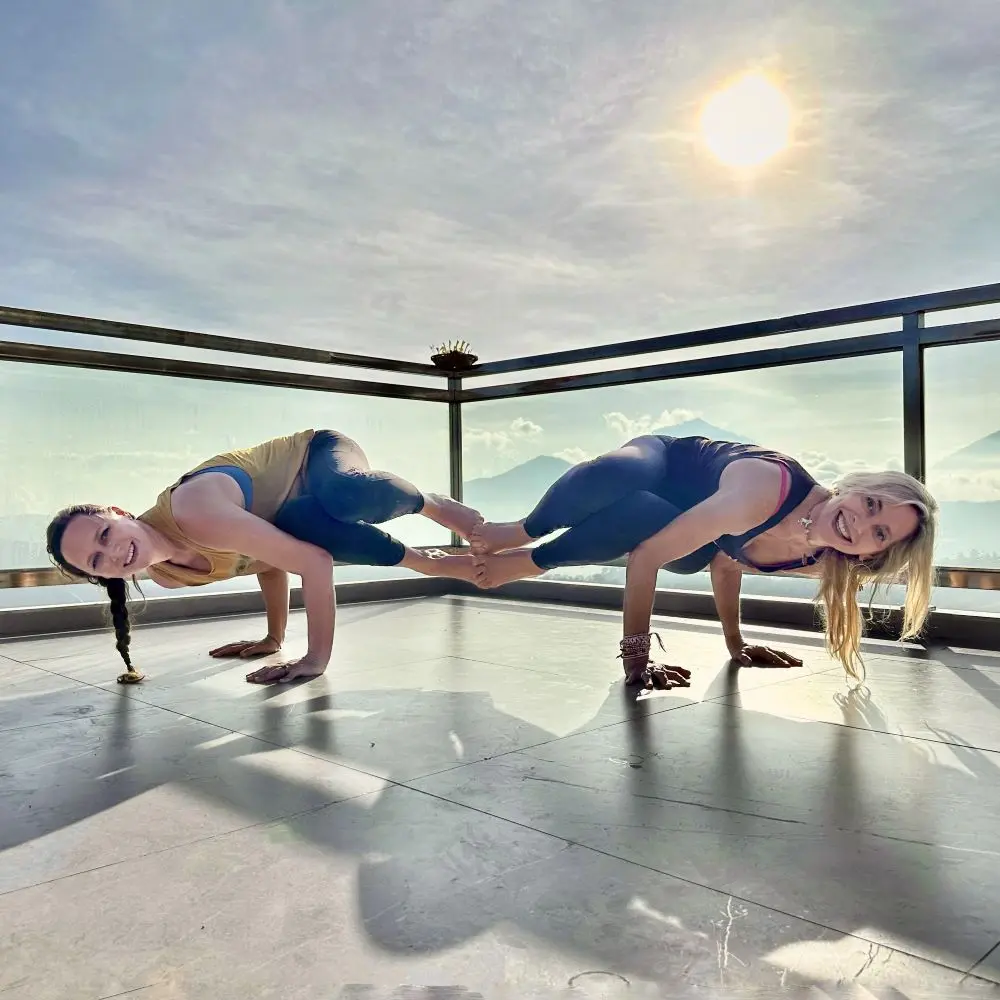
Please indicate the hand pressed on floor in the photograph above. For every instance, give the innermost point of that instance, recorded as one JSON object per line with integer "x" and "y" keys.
{"x": 247, "y": 649}
{"x": 747, "y": 655}
{"x": 657, "y": 676}
{"x": 282, "y": 673}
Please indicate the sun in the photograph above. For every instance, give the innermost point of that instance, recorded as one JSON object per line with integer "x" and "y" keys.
{"x": 747, "y": 122}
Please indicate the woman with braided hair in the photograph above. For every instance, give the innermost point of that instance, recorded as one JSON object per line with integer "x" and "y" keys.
{"x": 290, "y": 505}
{"x": 687, "y": 504}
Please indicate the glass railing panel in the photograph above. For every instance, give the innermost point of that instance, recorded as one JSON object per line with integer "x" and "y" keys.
{"x": 833, "y": 416}
{"x": 962, "y": 417}
{"x": 70, "y": 436}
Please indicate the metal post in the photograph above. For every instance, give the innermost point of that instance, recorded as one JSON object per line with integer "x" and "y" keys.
{"x": 455, "y": 443}
{"x": 914, "y": 458}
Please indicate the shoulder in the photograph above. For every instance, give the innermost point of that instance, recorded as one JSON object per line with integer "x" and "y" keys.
{"x": 748, "y": 494}
{"x": 753, "y": 485}
{"x": 205, "y": 492}
{"x": 759, "y": 478}
{"x": 204, "y": 503}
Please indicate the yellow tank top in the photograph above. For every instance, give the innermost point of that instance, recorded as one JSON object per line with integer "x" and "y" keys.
{"x": 275, "y": 468}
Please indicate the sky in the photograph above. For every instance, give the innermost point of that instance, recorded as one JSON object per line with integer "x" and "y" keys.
{"x": 380, "y": 177}
{"x": 522, "y": 175}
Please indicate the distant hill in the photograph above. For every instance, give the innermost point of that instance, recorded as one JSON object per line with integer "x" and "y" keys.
{"x": 702, "y": 428}
{"x": 506, "y": 494}
{"x": 970, "y": 530}
{"x": 984, "y": 453}
{"x": 512, "y": 494}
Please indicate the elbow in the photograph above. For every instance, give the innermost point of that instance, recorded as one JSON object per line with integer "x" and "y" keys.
{"x": 725, "y": 565}
{"x": 318, "y": 566}
{"x": 644, "y": 558}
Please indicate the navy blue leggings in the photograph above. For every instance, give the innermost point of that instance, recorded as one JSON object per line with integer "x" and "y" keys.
{"x": 610, "y": 506}
{"x": 342, "y": 500}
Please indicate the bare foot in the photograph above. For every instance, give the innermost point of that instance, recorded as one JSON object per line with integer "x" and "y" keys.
{"x": 488, "y": 537}
{"x": 434, "y": 562}
{"x": 451, "y": 514}
{"x": 505, "y": 567}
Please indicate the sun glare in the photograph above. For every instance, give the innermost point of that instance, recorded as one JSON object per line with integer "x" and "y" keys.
{"x": 747, "y": 122}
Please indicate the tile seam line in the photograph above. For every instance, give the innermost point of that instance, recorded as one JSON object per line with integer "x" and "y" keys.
{"x": 972, "y": 971}
{"x": 533, "y": 746}
{"x": 569, "y": 842}
{"x": 692, "y": 882}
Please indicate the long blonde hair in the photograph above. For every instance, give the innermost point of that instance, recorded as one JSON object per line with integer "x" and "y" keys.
{"x": 910, "y": 560}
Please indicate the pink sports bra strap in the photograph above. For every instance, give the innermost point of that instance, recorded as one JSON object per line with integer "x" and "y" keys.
{"x": 786, "y": 484}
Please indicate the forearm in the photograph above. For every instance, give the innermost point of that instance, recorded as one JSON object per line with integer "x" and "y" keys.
{"x": 640, "y": 589}
{"x": 320, "y": 605}
{"x": 274, "y": 588}
{"x": 637, "y": 609}
{"x": 726, "y": 579}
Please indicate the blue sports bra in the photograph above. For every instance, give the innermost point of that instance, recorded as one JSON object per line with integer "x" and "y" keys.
{"x": 242, "y": 477}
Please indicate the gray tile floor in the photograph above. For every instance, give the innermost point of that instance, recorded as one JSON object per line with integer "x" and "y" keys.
{"x": 468, "y": 799}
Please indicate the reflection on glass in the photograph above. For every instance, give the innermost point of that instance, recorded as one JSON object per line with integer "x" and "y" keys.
{"x": 70, "y": 436}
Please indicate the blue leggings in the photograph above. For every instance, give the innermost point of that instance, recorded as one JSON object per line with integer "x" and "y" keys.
{"x": 343, "y": 499}
{"x": 610, "y": 506}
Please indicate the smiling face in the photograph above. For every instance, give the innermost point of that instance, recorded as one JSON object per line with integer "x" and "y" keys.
{"x": 860, "y": 524}
{"x": 109, "y": 545}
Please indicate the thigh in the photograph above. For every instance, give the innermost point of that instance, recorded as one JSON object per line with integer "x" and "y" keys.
{"x": 642, "y": 460}
{"x": 332, "y": 454}
{"x": 349, "y": 490}
{"x": 612, "y": 532}
{"x": 351, "y": 542}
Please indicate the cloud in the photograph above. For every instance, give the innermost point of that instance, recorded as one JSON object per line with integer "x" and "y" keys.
{"x": 525, "y": 428}
{"x": 574, "y": 455}
{"x": 978, "y": 486}
{"x": 629, "y": 427}
{"x": 498, "y": 440}
{"x": 826, "y": 469}
{"x": 520, "y": 429}
{"x": 337, "y": 177}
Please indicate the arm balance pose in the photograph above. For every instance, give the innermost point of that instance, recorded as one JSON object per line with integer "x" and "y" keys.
{"x": 290, "y": 505}
{"x": 685, "y": 504}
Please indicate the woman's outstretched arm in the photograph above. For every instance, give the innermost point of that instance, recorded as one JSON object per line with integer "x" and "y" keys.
{"x": 727, "y": 575}
{"x": 274, "y": 588}
{"x": 747, "y": 495}
{"x": 727, "y": 578}
{"x": 208, "y": 513}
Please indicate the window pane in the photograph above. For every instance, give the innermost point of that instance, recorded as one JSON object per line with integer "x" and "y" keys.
{"x": 70, "y": 436}
{"x": 963, "y": 460}
{"x": 833, "y": 416}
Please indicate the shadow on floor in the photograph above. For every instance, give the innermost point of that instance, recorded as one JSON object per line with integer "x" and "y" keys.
{"x": 432, "y": 874}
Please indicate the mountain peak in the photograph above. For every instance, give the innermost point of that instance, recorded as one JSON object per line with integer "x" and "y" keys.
{"x": 984, "y": 452}
{"x": 702, "y": 428}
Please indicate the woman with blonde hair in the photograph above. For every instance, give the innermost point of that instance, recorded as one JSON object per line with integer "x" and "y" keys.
{"x": 687, "y": 504}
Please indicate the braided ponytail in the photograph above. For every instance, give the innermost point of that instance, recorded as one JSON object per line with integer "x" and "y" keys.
{"x": 118, "y": 595}
{"x": 117, "y": 589}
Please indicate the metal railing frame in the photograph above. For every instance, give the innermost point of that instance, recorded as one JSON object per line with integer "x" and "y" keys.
{"x": 911, "y": 340}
